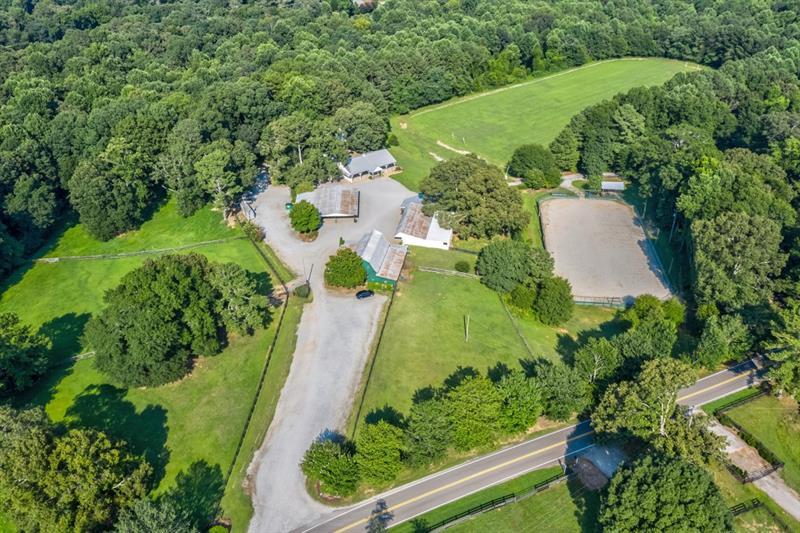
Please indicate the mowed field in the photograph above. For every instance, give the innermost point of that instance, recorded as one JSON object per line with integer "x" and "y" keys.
{"x": 188, "y": 430}
{"x": 425, "y": 339}
{"x": 494, "y": 123}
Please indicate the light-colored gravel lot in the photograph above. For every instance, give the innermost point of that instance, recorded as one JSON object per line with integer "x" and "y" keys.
{"x": 599, "y": 246}
{"x": 334, "y": 338}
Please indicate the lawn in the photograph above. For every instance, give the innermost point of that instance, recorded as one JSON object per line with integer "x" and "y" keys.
{"x": 564, "y": 508}
{"x": 494, "y": 123}
{"x": 188, "y": 430}
{"x": 776, "y": 423}
{"x": 517, "y": 485}
{"x": 425, "y": 336}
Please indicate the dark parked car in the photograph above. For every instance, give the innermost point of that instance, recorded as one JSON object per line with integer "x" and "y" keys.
{"x": 364, "y": 294}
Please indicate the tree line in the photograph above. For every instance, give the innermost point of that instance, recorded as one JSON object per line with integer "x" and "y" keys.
{"x": 109, "y": 106}
{"x": 714, "y": 157}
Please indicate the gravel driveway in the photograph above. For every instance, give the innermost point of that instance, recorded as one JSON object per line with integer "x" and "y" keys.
{"x": 334, "y": 337}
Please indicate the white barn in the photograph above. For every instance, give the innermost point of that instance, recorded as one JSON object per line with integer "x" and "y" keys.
{"x": 418, "y": 229}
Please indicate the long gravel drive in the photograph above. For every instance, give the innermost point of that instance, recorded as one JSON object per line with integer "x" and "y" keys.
{"x": 334, "y": 338}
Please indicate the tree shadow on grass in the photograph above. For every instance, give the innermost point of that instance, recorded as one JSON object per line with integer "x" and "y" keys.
{"x": 566, "y": 345}
{"x": 104, "y": 408}
{"x": 386, "y": 413}
{"x": 197, "y": 493}
{"x": 65, "y": 334}
{"x": 587, "y": 505}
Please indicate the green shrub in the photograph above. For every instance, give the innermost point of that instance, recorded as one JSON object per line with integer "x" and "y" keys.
{"x": 253, "y": 231}
{"x": 522, "y": 297}
{"x": 379, "y": 451}
{"x": 504, "y": 264}
{"x": 535, "y": 165}
{"x": 554, "y": 304}
{"x": 302, "y": 291}
{"x": 463, "y": 266}
{"x": 345, "y": 269}
{"x": 305, "y": 217}
{"x": 333, "y": 465}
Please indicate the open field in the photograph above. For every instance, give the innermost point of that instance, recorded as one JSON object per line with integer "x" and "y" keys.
{"x": 776, "y": 423}
{"x": 599, "y": 246}
{"x": 494, "y": 123}
{"x": 188, "y": 430}
{"x": 434, "y": 307}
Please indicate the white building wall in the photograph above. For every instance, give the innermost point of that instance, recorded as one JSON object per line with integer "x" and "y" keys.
{"x": 410, "y": 240}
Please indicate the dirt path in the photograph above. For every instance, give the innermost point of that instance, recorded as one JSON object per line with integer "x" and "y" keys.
{"x": 456, "y": 150}
{"x": 333, "y": 341}
{"x": 748, "y": 459}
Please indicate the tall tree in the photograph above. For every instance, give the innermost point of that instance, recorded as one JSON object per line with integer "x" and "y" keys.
{"x": 647, "y": 408}
{"x": 736, "y": 257}
{"x": 472, "y": 197}
{"x": 658, "y": 493}
{"x": 23, "y": 354}
{"x": 379, "y": 451}
{"x": 505, "y": 264}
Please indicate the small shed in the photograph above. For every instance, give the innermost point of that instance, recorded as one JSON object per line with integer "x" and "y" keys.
{"x": 370, "y": 164}
{"x": 334, "y": 201}
{"x": 611, "y": 183}
{"x": 383, "y": 261}
{"x": 418, "y": 229}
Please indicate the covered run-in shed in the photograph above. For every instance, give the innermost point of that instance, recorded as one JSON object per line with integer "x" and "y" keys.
{"x": 383, "y": 261}
{"x": 333, "y": 201}
{"x": 370, "y": 164}
{"x": 418, "y": 229}
{"x": 611, "y": 183}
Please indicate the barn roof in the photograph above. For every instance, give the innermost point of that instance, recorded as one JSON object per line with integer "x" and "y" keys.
{"x": 333, "y": 200}
{"x": 414, "y": 222}
{"x": 384, "y": 258}
{"x": 370, "y": 162}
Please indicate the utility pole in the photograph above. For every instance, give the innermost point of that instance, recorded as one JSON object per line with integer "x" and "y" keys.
{"x": 466, "y": 329}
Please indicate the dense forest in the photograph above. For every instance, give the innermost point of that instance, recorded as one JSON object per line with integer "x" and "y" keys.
{"x": 106, "y": 107}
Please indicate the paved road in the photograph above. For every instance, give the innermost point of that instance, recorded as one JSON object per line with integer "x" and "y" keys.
{"x": 411, "y": 500}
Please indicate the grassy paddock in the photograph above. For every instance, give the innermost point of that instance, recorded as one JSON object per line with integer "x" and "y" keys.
{"x": 408, "y": 359}
{"x": 188, "y": 430}
{"x": 776, "y": 423}
{"x": 494, "y": 123}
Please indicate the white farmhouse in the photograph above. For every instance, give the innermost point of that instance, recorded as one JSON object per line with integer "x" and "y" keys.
{"x": 418, "y": 229}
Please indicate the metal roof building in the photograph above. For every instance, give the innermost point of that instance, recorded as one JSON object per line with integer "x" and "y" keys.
{"x": 333, "y": 201}
{"x": 418, "y": 229}
{"x": 369, "y": 164}
{"x": 382, "y": 260}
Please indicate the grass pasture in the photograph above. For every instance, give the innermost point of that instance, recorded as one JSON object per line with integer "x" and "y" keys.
{"x": 437, "y": 305}
{"x": 188, "y": 430}
{"x": 494, "y": 123}
{"x": 776, "y": 423}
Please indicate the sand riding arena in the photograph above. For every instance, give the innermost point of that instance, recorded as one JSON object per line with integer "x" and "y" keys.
{"x": 600, "y": 247}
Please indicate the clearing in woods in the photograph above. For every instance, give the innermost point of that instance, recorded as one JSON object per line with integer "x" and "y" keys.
{"x": 492, "y": 124}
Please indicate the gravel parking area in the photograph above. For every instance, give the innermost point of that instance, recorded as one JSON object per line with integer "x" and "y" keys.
{"x": 334, "y": 338}
{"x": 599, "y": 246}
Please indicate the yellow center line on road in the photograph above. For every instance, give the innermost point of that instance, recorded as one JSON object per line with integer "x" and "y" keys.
{"x": 468, "y": 478}
{"x": 721, "y": 383}
{"x": 515, "y": 460}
